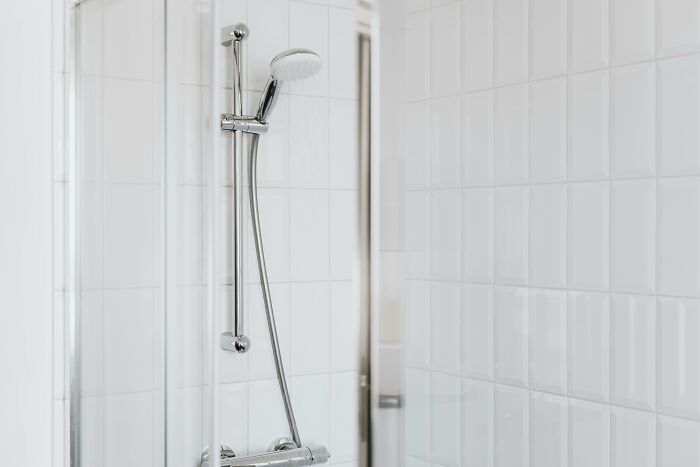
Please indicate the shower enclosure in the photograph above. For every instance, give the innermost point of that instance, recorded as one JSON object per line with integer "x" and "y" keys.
{"x": 480, "y": 222}
{"x": 166, "y": 246}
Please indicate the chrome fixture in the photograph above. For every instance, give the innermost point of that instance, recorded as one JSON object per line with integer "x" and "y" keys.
{"x": 290, "y": 65}
{"x": 233, "y": 36}
{"x": 296, "y": 457}
{"x": 294, "y": 64}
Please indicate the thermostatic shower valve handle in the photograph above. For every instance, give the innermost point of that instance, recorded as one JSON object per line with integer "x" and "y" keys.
{"x": 233, "y": 37}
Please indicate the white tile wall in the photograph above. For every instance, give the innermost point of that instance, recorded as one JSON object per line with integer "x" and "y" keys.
{"x": 577, "y": 227}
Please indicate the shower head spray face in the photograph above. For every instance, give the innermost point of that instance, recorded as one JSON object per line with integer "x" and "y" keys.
{"x": 295, "y": 64}
{"x": 290, "y": 65}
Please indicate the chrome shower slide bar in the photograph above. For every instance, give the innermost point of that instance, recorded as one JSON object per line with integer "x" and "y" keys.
{"x": 236, "y": 340}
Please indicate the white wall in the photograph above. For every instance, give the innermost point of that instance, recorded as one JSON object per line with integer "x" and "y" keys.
{"x": 26, "y": 267}
{"x": 552, "y": 221}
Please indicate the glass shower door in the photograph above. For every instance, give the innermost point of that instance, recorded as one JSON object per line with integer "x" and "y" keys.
{"x": 152, "y": 385}
{"x": 118, "y": 393}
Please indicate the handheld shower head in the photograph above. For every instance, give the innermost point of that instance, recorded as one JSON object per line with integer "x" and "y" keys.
{"x": 290, "y": 65}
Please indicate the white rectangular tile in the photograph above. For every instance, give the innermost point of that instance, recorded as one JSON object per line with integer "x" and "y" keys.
{"x": 678, "y": 228}
{"x": 129, "y": 32}
{"x": 477, "y": 44}
{"x": 588, "y": 322}
{"x": 418, "y": 228}
{"x": 511, "y": 149}
{"x": 633, "y": 440}
{"x": 445, "y": 421}
{"x": 343, "y": 232}
{"x": 588, "y": 35}
{"x": 91, "y": 135}
{"x": 633, "y": 120}
{"x": 511, "y": 419}
{"x": 342, "y": 144}
{"x": 547, "y": 250}
{"x": 418, "y": 419}
{"x": 678, "y": 116}
{"x": 342, "y": 53}
{"x": 274, "y": 220}
{"x": 309, "y": 309}
{"x": 308, "y": 142}
{"x": 311, "y": 398}
{"x": 477, "y": 234}
{"x": 548, "y": 430}
{"x": 445, "y": 69}
{"x": 308, "y": 29}
{"x": 343, "y": 419}
{"x": 548, "y": 27}
{"x": 548, "y": 130}
{"x": 548, "y": 340}
{"x": 188, "y": 441}
{"x": 309, "y": 235}
{"x": 416, "y": 63}
{"x": 417, "y": 138}
{"x": 511, "y": 334}
{"x": 589, "y": 434}
{"x": 92, "y": 342}
{"x": 633, "y": 351}
{"x": 588, "y": 107}
{"x": 130, "y": 229}
{"x": 510, "y": 41}
{"x": 445, "y": 327}
{"x": 417, "y": 322}
{"x": 445, "y": 143}
{"x": 678, "y": 375}
{"x": 91, "y": 50}
{"x": 189, "y": 140}
{"x": 477, "y": 331}
{"x": 233, "y": 400}
{"x": 92, "y": 429}
{"x": 632, "y": 243}
{"x": 588, "y": 235}
{"x": 677, "y": 27}
{"x": 445, "y": 235}
{"x": 632, "y": 34}
{"x": 130, "y": 420}
{"x": 273, "y": 16}
{"x": 392, "y": 198}
{"x": 477, "y": 423}
{"x": 511, "y": 228}
{"x": 265, "y": 401}
{"x": 344, "y": 327}
{"x": 678, "y": 442}
{"x": 477, "y": 138}
{"x": 189, "y": 336}
{"x": 129, "y": 110}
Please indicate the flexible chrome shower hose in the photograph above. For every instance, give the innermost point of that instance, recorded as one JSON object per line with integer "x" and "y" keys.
{"x": 265, "y": 285}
